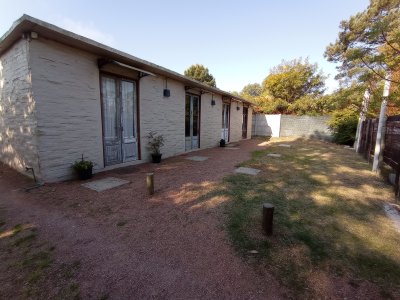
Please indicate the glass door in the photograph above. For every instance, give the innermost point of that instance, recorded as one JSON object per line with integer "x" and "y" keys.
{"x": 225, "y": 122}
{"x": 192, "y": 121}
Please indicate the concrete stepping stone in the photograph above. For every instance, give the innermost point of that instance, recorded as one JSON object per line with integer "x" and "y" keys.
{"x": 197, "y": 158}
{"x": 285, "y": 145}
{"x": 274, "y": 155}
{"x": 248, "y": 171}
{"x": 104, "y": 184}
{"x": 393, "y": 213}
{"x": 232, "y": 148}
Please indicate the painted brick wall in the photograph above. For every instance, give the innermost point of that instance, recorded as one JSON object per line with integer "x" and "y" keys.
{"x": 211, "y": 121}
{"x": 166, "y": 115}
{"x": 18, "y": 143}
{"x": 236, "y": 122}
{"x": 66, "y": 89}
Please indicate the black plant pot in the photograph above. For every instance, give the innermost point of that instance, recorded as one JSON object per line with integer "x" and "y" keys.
{"x": 156, "y": 158}
{"x": 85, "y": 174}
{"x": 222, "y": 143}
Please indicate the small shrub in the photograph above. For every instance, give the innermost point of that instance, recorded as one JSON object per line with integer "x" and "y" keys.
{"x": 344, "y": 126}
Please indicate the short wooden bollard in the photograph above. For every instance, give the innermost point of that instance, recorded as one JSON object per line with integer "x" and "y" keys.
{"x": 268, "y": 218}
{"x": 150, "y": 183}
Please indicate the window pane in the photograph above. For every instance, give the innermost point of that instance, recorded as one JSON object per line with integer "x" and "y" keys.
{"x": 109, "y": 107}
{"x": 128, "y": 101}
{"x": 195, "y": 115}
{"x": 187, "y": 116}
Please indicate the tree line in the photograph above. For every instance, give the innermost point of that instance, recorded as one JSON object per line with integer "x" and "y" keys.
{"x": 367, "y": 51}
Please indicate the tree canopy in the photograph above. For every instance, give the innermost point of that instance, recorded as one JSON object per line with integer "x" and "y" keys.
{"x": 200, "y": 73}
{"x": 368, "y": 45}
{"x": 294, "y": 79}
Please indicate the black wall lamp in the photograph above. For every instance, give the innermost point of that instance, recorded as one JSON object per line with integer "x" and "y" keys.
{"x": 167, "y": 92}
{"x": 212, "y": 100}
{"x": 237, "y": 107}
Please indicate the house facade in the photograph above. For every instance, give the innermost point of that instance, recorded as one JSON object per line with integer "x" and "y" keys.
{"x": 63, "y": 96}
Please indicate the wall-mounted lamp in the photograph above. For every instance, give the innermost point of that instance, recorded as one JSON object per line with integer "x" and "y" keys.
{"x": 212, "y": 100}
{"x": 237, "y": 107}
{"x": 167, "y": 92}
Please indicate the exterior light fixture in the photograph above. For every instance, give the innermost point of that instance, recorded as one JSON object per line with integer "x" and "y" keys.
{"x": 212, "y": 100}
{"x": 167, "y": 92}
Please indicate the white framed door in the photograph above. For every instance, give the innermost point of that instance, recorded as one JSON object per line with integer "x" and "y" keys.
{"x": 225, "y": 121}
{"x": 192, "y": 122}
{"x": 119, "y": 120}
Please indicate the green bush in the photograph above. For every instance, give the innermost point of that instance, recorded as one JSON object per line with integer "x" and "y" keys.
{"x": 344, "y": 126}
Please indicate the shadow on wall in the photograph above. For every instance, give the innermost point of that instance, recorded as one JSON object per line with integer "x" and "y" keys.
{"x": 17, "y": 122}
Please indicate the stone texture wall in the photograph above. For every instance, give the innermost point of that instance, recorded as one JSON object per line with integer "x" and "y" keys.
{"x": 284, "y": 125}
{"x": 306, "y": 126}
{"x": 18, "y": 129}
{"x": 66, "y": 89}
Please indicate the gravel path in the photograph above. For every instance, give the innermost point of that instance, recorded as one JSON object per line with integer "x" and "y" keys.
{"x": 172, "y": 245}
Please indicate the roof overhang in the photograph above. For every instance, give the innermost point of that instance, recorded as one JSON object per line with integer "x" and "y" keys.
{"x": 25, "y": 25}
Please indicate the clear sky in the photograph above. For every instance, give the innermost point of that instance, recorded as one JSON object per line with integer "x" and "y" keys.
{"x": 239, "y": 41}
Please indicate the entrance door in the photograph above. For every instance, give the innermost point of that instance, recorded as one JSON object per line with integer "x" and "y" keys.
{"x": 225, "y": 121}
{"x": 119, "y": 120}
{"x": 244, "y": 123}
{"x": 192, "y": 121}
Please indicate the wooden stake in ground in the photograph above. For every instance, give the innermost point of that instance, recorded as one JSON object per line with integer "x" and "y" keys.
{"x": 150, "y": 183}
{"x": 268, "y": 218}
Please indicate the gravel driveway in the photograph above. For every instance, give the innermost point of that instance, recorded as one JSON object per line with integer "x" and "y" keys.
{"x": 171, "y": 245}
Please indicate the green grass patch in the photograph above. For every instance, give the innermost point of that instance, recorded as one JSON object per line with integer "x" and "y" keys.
{"x": 328, "y": 218}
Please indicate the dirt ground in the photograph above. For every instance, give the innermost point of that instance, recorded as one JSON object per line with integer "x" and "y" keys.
{"x": 129, "y": 245}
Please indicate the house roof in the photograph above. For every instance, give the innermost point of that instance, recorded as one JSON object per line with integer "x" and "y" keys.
{"x": 28, "y": 24}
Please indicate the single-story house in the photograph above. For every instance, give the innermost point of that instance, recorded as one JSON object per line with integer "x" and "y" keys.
{"x": 63, "y": 95}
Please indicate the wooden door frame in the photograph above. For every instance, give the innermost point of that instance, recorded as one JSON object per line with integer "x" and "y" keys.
{"x": 137, "y": 119}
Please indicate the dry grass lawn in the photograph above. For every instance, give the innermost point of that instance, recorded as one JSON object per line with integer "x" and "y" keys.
{"x": 331, "y": 233}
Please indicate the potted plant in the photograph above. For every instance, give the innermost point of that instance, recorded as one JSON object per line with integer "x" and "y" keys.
{"x": 155, "y": 142}
{"x": 84, "y": 168}
{"x": 222, "y": 143}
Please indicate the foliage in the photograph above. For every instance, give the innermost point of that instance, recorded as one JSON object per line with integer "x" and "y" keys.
{"x": 155, "y": 142}
{"x": 368, "y": 45}
{"x": 200, "y": 73}
{"x": 82, "y": 165}
{"x": 344, "y": 126}
{"x": 251, "y": 91}
{"x": 291, "y": 80}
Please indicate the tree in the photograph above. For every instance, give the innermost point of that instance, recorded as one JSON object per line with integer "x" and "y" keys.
{"x": 368, "y": 46}
{"x": 200, "y": 73}
{"x": 251, "y": 90}
{"x": 291, "y": 80}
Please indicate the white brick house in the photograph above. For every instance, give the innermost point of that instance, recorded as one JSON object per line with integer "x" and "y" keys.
{"x": 63, "y": 95}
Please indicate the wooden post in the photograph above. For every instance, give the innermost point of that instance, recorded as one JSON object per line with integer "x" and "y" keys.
{"x": 268, "y": 216}
{"x": 150, "y": 183}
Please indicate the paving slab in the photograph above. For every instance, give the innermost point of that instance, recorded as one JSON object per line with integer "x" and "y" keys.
{"x": 232, "y": 148}
{"x": 285, "y": 145}
{"x": 274, "y": 155}
{"x": 392, "y": 211}
{"x": 197, "y": 158}
{"x": 248, "y": 171}
{"x": 105, "y": 184}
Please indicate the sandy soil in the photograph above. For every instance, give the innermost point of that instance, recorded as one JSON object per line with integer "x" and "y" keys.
{"x": 171, "y": 245}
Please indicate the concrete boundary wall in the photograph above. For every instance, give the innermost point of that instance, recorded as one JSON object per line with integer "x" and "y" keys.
{"x": 287, "y": 125}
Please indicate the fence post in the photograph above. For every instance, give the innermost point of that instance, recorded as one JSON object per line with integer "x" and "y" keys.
{"x": 379, "y": 144}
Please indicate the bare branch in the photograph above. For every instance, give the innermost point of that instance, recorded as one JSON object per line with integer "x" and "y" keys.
{"x": 376, "y": 73}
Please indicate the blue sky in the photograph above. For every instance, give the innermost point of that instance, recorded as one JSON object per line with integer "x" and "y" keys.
{"x": 239, "y": 41}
